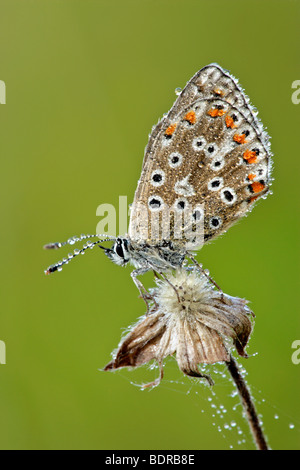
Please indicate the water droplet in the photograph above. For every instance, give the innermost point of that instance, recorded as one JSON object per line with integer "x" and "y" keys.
{"x": 76, "y": 252}
{"x": 178, "y": 90}
{"x": 59, "y": 269}
{"x": 291, "y": 426}
{"x": 276, "y": 417}
{"x": 71, "y": 241}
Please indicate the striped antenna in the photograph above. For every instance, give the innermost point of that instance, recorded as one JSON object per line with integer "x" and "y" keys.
{"x": 71, "y": 241}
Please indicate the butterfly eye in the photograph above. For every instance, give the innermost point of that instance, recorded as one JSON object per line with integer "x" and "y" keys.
{"x": 119, "y": 250}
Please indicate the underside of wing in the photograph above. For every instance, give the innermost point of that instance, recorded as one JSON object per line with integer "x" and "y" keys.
{"x": 205, "y": 164}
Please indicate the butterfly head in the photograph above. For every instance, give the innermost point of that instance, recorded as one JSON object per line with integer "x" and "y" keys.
{"x": 119, "y": 253}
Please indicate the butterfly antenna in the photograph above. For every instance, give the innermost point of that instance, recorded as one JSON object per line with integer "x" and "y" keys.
{"x": 71, "y": 241}
{"x": 75, "y": 239}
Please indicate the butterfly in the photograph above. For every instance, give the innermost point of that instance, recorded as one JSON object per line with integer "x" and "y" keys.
{"x": 207, "y": 162}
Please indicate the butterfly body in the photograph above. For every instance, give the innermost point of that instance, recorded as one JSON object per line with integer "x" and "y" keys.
{"x": 142, "y": 255}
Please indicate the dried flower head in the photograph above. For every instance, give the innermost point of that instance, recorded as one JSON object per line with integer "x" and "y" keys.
{"x": 191, "y": 318}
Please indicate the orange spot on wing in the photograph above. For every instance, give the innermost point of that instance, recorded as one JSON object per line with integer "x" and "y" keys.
{"x": 218, "y": 92}
{"x": 257, "y": 186}
{"x": 171, "y": 129}
{"x": 229, "y": 122}
{"x": 240, "y": 138}
{"x": 251, "y": 176}
{"x": 252, "y": 199}
{"x": 216, "y": 112}
{"x": 250, "y": 156}
{"x": 190, "y": 117}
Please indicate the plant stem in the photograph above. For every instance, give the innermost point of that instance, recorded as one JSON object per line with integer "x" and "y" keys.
{"x": 248, "y": 405}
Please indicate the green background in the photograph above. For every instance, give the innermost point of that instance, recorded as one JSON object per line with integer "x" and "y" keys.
{"x": 85, "y": 82}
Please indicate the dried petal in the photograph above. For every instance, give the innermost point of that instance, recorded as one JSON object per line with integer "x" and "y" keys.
{"x": 190, "y": 318}
{"x": 141, "y": 344}
{"x": 230, "y": 319}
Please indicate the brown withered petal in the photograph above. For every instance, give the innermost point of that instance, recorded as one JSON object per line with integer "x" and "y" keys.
{"x": 190, "y": 318}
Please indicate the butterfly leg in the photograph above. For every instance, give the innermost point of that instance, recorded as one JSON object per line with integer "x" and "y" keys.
{"x": 142, "y": 290}
{"x": 169, "y": 282}
{"x": 205, "y": 274}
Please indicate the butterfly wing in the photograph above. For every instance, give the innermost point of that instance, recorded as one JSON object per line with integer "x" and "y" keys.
{"x": 208, "y": 158}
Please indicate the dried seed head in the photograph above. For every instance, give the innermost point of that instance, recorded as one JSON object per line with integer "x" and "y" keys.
{"x": 190, "y": 318}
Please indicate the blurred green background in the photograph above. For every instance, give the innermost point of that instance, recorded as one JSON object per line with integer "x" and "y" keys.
{"x": 85, "y": 82}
